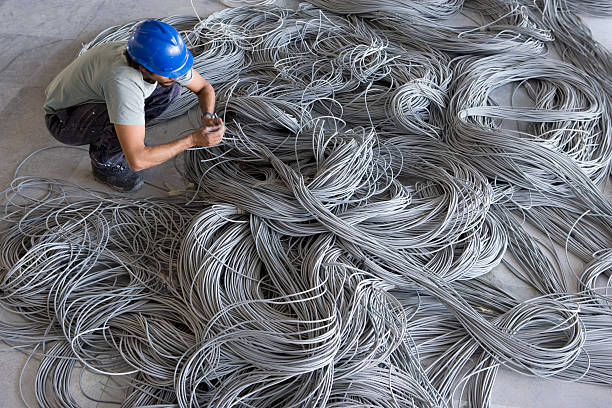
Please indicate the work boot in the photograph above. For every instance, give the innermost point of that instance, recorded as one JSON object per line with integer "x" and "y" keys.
{"x": 119, "y": 176}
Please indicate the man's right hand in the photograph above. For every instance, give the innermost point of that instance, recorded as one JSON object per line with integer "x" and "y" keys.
{"x": 209, "y": 135}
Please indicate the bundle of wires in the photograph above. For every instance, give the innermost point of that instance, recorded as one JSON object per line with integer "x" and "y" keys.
{"x": 341, "y": 244}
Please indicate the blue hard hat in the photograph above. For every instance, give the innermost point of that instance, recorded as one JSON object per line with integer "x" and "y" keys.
{"x": 158, "y": 47}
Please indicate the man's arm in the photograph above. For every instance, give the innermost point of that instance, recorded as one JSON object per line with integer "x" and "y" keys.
{"x": 206, "y": 98}
{"x": 140, "y": 156}
{"x": 204, "y": 91}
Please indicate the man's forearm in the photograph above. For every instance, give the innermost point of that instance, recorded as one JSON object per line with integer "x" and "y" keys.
{"x": 206, "y": 99}
{"x": 140, "y": 156}
{"x": 154, "y": 155}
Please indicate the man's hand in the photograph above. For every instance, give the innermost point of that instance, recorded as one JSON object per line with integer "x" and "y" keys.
{"x": 208, "y": 121}
{"x": 210, "y": 133}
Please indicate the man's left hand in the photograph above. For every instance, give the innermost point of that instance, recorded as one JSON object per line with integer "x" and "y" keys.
{"x": 207, "y": 121}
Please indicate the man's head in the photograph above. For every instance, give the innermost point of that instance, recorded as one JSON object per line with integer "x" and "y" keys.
{"x": 159, "y": 52}
{"x": 147, "y": 75}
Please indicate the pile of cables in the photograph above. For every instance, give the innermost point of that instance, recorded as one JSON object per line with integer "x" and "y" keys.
{"x": 341, "y": 245}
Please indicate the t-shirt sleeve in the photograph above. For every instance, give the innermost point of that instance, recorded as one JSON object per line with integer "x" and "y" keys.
{"x": 186, "y": 79}
{"x": 124, "y": 102}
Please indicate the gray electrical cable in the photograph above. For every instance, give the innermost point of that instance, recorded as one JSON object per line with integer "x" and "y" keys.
{"x": 338, "y": 247}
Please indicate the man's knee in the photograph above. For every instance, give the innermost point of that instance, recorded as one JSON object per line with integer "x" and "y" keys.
{"x": 160, "y": 100}
{"x": 175, "y": 91}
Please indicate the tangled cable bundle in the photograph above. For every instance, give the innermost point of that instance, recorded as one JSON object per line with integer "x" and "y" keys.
{"x": 340, "y": 245}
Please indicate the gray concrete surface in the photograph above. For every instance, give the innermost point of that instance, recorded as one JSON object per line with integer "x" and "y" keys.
{"x": 37, "y": 39}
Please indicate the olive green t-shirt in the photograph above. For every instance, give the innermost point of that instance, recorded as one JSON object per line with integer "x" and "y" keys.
{"x": 102, "y": 75}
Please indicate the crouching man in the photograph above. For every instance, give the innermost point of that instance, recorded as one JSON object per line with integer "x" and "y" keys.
{"x": 107, "y": 95}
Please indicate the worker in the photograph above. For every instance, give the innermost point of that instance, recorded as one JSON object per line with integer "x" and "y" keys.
{"x": 107, "y": 95}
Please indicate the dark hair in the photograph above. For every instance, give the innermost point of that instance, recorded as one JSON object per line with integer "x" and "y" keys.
{"x": 130, "y": 61}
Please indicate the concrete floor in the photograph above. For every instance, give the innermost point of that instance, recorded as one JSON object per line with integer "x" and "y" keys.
{"x": 37, "y": 39}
